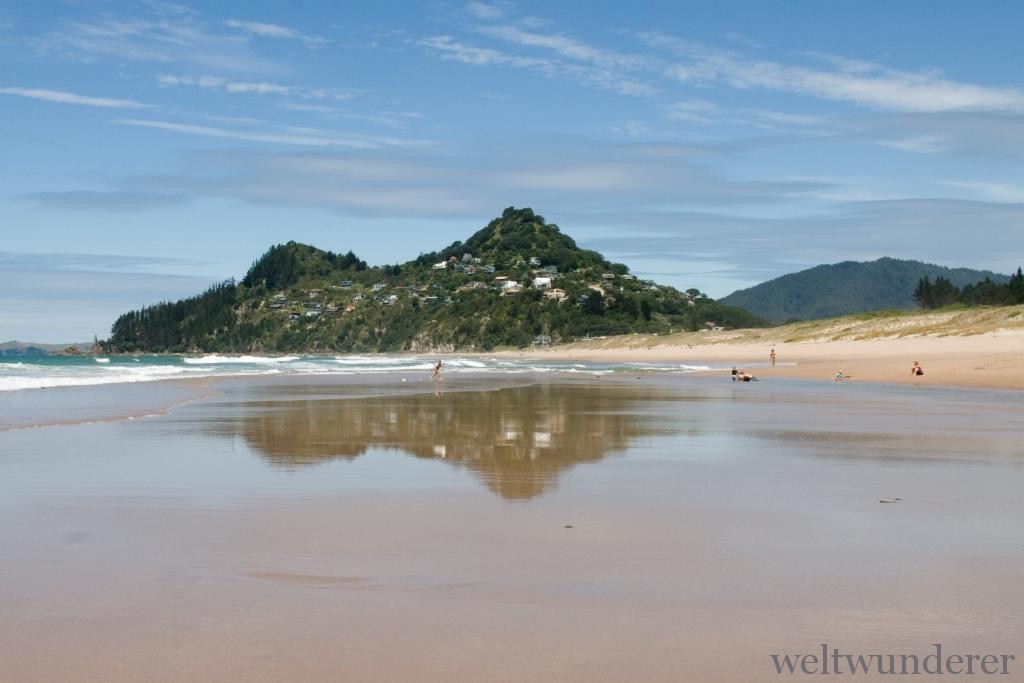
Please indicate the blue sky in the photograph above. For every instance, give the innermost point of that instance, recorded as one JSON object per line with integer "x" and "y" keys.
{"x": 151, "y": 148}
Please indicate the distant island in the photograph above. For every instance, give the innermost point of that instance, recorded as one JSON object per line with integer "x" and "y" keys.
{"x": 16, "y": 348}
{"x": 828, "y": 291}
{"x": 518, "y": 282}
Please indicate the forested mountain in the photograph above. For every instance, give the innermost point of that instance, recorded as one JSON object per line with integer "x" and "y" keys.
{"x": 516, "y": 282}
{"x": 849, "y": 287}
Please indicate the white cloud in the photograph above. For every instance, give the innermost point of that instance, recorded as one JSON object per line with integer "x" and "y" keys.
{"x": 256, "y": 87}
{"x": 919, "y": 144}
{"x": 288, "y": 135}
{"x": 864, "y": 83}
{"x": 449, "y": 48}
{"x": 62, "y": 97}
{"x": 164, "y": 34}
{"x": 991, "y": 192}
{"x": 272, "y": 31}
{"x": 605, "y": 70}
{"x": 484, "y": 11}
{"x": 562, "y": 45}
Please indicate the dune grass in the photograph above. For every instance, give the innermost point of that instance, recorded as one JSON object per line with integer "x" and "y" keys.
{"x": 957, "y": 320}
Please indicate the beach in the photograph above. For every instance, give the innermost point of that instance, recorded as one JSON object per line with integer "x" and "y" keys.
{"x": 600, "y": 526}
{"x": 972, "y": 349}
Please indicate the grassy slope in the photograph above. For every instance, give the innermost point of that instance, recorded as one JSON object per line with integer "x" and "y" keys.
{"x": 954, "y": 321}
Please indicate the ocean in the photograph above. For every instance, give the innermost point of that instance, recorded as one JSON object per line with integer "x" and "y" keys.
{"x": 67, "y": 371}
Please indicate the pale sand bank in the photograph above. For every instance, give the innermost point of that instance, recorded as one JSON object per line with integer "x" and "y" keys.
{"x": 975, "y": 348}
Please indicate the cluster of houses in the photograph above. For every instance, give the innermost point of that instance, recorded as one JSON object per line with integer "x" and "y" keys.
{"x": 541, "y": 278}
{"x": 468, "y": 265}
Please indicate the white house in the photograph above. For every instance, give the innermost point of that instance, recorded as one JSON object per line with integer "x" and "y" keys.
{"x": 440, "y": 265}
{"x": 542, "y": 283}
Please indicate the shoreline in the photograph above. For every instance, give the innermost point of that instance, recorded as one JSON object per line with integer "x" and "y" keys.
{"x": 990, "y": 361}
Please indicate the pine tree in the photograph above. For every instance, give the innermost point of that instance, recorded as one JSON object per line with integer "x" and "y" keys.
{"x": 1016, "y": 287}
{"x": 924, "y": 295}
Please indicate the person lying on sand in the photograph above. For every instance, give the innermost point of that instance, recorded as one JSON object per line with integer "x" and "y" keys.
{"x": 741, "y": 376}
{"x": 916, "y": 369}
{"x": 840, "y": 376}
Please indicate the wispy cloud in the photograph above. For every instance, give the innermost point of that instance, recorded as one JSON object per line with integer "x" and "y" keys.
{"x": 62, "y": 97}
{"x": 255, "y": 87}
{"x": 987, "y": 191}
{"x": 273, "y": 31}
{"x": 286, "y": 135}
{"x": 584, "y": 175}
{"x": 587, "y": 74}
{"x": 856, "y": 81}
{"x": 163, "y": 33}
{"x": 449, "y": 48}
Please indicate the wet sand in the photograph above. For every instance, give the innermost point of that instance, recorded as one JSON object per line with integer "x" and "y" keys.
{"x": 547, "y": 529}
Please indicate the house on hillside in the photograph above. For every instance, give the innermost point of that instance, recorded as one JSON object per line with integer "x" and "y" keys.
{"x": 555, "y": 295}
{"x": 542, "y": 340}
{"x": 534, "y": 261}
{"x": 378, "y": 286}
{"x": 440, "y": 265}
{"x": 542, "y": 283}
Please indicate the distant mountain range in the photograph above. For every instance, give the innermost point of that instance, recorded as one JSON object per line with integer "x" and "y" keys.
{"x": 518, "y": 281}
{"x": 849, "y": 287}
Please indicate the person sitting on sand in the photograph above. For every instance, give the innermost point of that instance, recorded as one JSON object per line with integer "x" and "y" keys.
{"x": 916, "y": 369}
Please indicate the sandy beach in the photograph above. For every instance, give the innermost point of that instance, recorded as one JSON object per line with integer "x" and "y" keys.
{"x": 973, "y": 348}
{"x": 527, "y": 527}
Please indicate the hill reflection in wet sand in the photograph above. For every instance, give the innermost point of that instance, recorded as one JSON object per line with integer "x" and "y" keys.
{"x": 517, "y": 441}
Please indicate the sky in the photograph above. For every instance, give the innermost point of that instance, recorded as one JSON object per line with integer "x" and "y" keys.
{"x": 152, "y": 148}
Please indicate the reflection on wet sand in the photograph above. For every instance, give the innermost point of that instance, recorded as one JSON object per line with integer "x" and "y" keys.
{"x": 516, "y": 441}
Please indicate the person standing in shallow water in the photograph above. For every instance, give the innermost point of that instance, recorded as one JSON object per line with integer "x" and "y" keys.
{"x": 771, "y": 357}
{"x": 437, "y": 370}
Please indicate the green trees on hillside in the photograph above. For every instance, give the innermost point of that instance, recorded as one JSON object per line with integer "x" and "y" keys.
{"x": 514, "y": 280}
{"x": 941, "y": 292}
{"x": 177, "y": 326}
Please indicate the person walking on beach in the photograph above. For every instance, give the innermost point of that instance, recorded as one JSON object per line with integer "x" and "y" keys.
{"x": 916, "y": 369}
{"x": 771, "y": 357}
{"x": 437, "y": 370}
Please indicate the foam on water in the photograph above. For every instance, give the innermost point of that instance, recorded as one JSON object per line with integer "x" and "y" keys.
{"x": 63, "y": 371}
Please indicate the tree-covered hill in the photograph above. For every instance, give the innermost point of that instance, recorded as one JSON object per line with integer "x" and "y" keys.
{"x": 849, "y": 287}
{"x": 517, "y": 282}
